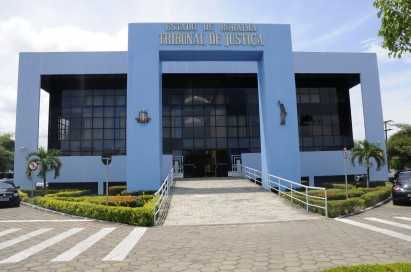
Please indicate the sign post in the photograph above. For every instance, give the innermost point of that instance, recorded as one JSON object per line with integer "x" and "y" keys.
{"x": 345, "y": 171}
{"x": 106, "y": 159}
{"x": 32, "y": 166}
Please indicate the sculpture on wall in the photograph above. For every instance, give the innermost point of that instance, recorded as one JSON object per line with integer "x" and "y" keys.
{"x": 283, "y": 113}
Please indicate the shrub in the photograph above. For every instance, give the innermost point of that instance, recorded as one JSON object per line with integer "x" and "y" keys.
{"x": 372, "y": 198}
{"x": 71, "y": 193}
{"x": 40, "y": 192}
{"x": 23, "y": 196}
{"x": 396, "y": 267}
{"x": 339, "y": 205}
{"x": 343, "y": 207}
{"x": 129, "y": 193}
{"x": 116, "y": 190}
{"x": 142, "y": 216}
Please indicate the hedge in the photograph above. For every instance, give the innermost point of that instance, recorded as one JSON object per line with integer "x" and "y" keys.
{"x": 23, "y": 196}
{"x": 71, "y": 193}
{"x": 142, "y": 216}
{"x": 124, "y": 201}
{"x": 395, "y": 267}
{"x": 370, "y": 197}
{"x": 116, "y": 190}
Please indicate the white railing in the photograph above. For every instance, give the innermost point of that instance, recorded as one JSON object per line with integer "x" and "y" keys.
{"x": 162, "y": 198}
{"x": 289, "y": 188}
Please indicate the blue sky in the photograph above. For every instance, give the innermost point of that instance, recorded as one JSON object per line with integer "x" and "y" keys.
{"x": 101, "y": 25}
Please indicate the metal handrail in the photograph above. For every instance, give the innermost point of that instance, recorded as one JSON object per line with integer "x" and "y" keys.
{"x": 281, "y": 185}
{"x": 162, "y": 198}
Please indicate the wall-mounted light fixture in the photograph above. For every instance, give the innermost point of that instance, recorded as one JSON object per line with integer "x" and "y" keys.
{"x": 143, "y": 118}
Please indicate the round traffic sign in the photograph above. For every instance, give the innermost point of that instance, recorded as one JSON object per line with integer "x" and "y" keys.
{"x": 33, "y": 165}
{"x": 106, "y": 158}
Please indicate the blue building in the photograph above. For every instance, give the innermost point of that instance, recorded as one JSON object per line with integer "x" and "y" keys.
{"x": 203, "y": 98}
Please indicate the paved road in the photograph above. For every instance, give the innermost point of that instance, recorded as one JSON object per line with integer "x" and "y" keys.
{"x": 302, "y": 245}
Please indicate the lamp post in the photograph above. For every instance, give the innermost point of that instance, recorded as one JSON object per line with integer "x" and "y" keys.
{"x": 386, "y": 123}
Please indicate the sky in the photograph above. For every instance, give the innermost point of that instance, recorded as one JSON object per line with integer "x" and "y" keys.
{"x": 101, "y": 25}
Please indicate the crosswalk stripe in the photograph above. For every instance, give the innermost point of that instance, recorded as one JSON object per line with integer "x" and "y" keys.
{"x": 389, "y": 223}
{"x": 82, "y": 246}
{"x": 37, "y": 248}
{"x": 23, "y": 238}
{"x": 8, "y": 231}
{"x": 121, "y": 251}
{"x": 376, "y": 229}
{"x": 403, "y": 218}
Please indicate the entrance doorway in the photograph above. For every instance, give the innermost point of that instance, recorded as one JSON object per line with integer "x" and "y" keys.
{"x": 205, "y": 163}
{"x": 208, "y": 118}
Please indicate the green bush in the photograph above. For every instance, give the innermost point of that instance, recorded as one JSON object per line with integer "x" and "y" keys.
{"x": 337, "y": 186}
{"x": 343, "y": 207}
{"x": 142, "y": 216}
{"x": 338, "y": 205}
{"x": 23, "y": 196}
{"x": 374, "y": 197}
{"x": 40, "y": 192}
{"x": 123, "y": 201}
{"x": 116, "y": 190}
{"x": 396, "y": 267}
{"x": 373, "y": 184}
{"x": 129, "y": 193}
{"x": 71, "y": 193}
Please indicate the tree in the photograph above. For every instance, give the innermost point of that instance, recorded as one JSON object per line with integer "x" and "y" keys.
{"x": 47, "y": 161}
{"x": 365, "y": 151}
{"x": 395, "y": 25}
{"x": 399, "y": 147}
{"x": 6, "y": 152}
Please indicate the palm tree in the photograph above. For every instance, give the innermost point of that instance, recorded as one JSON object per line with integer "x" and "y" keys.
{"x": 47, "y": 161}
{"x": 365, "y": 150}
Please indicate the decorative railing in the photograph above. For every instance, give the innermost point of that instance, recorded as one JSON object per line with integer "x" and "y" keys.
{"x": 162, "y": 198}
{"x": 296, "y": 192}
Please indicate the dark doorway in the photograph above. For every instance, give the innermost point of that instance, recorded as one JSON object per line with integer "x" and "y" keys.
{"x": 207, "y": 118}
{"x": 206, "y": 163}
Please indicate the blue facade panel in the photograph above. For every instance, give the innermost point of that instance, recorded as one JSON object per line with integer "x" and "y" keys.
{"x": 154, "y": 49}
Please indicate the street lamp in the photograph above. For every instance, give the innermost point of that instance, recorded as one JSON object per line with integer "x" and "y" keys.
{"x": 386, "y": 123}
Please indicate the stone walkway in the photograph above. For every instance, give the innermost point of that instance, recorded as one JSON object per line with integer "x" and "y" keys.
{"x": 228, "y": 201}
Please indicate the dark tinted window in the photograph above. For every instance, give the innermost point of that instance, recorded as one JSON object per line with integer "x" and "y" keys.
{"x": 404, "y": 178}
{"x": 324, "y": 113}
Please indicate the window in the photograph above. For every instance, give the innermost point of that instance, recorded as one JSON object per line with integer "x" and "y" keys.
{"x": 87, "y": 114}
{"x": 324, "y": 114}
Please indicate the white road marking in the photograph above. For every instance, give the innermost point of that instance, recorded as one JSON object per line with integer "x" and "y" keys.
{"x": 46, "y": 220}
{"x": 37, "y": 248}
{"x": 8, "y": 231}
{"x": 403, "y": 218}
{"x": 376, "y": 229}
{"x": 121, "y": 251}
{"x": 82, "y": 246}
{"x": 23, "y": 238}
{"x": 389, "y": 223}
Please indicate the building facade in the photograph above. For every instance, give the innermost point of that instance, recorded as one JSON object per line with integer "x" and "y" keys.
{"x": 203, "y": 98}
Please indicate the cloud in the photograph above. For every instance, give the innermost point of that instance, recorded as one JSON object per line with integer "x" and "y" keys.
{"x": 373, "y": 45}
{"x": 19, "y": 35}
{"x": 8, "y": 98}
{"x": 332, "y": 36}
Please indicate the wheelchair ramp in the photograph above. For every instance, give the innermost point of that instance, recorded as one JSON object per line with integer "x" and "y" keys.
{"x": 229, "y": 201}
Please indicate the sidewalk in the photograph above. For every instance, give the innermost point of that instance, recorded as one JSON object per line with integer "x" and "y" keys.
{"x": 229, "y": 201}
